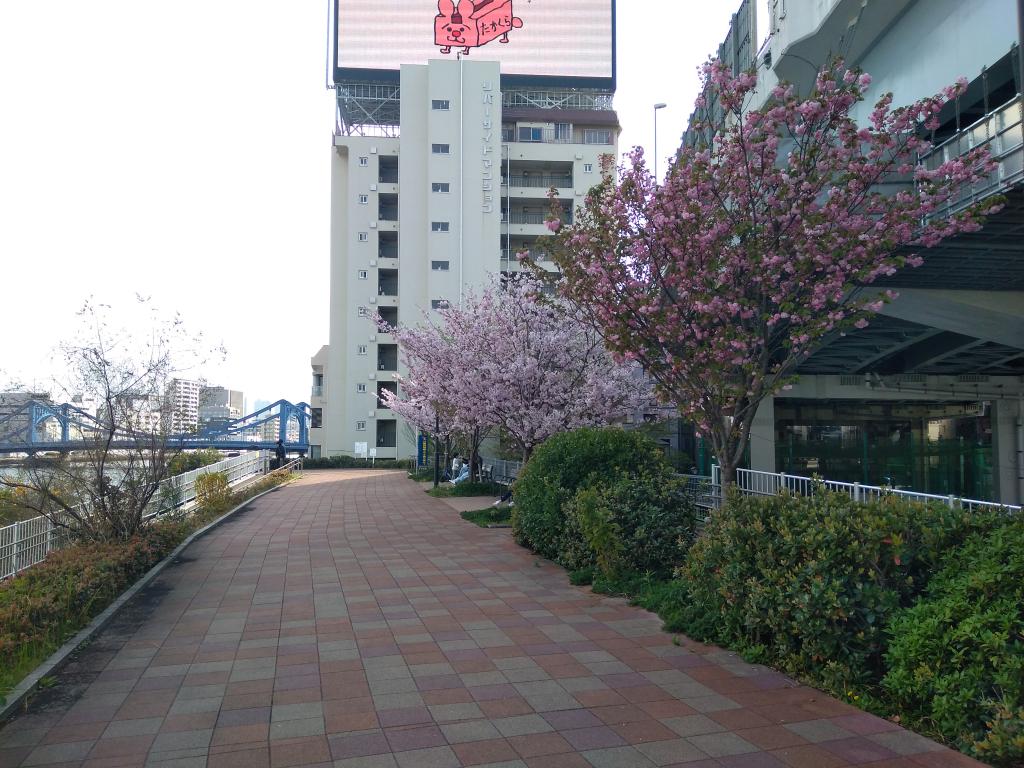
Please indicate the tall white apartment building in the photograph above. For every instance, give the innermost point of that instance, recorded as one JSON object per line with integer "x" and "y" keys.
{"x": 451, "y": 187}
{"x": 183, "y": 400}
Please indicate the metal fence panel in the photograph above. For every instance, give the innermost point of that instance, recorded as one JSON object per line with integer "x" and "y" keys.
{"x": 27, "y": 542}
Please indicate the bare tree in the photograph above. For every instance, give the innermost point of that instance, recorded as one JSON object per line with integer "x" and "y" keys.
{"x": 103, "y": 490}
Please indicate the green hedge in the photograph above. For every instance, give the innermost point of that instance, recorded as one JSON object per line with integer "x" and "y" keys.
{"x": 563, "y": 465}
{"x": 956, "y": 659}
{"x": 46, "y": 604}
{"x": 809, "y": 584}
{"x": 637, "y": 522}
{"x": 351, "y": 462}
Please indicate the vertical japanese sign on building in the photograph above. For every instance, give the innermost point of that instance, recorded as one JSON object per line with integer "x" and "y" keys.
{"x": 491, "y": 114}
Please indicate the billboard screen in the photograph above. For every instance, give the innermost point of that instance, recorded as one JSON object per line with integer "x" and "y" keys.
{"x": 567, "y": 43}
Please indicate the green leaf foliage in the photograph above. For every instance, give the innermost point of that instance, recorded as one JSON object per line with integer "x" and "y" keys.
{"x": 564, "y": 464}
{"x": 809, "y": 584}
{"x": 956, "y": 659}
{"x": 640, "y": 522}
{"x": 186, "y": 461}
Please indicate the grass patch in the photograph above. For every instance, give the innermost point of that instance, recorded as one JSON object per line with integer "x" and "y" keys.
{"x": 422, "y": 475}
{"x": 489, "y": 516}
{"x": 46, "y": 604}
{"x": 447, "y": 490}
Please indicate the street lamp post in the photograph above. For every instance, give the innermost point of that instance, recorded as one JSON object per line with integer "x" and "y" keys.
{"x": 657, "y": 106}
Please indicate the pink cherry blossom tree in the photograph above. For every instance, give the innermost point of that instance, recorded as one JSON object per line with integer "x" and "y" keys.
{"x": 512, "y": 359}
{"x": 723, "y": 279}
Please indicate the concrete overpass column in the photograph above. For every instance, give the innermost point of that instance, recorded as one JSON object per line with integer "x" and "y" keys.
{"x": 1005, "y": 471}
{"x": 762, "y": 437}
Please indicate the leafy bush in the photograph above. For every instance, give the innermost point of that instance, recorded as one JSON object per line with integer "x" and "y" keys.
{"x": 351, "y": 462}
{"x": 564, "y": 464}
{"x": 44, "y": 605}
{"x": 640, "y": 522}
{"x": 956, "y": 659}
{"x": 212, "y": 489}
{"x": 809, "y": 584}
{"x": 186, "y": 461}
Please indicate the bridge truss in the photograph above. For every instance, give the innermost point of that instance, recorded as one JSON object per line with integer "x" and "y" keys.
{"x": 37, "y": 426}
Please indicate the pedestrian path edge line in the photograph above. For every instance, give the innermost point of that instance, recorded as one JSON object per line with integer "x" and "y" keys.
{"x": 59, "y": 657}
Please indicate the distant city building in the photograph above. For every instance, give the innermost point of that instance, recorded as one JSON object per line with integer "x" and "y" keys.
{"x": 14, "y": 417}
{"x": 183, "y": 401}
{"x": 218, "y": 405}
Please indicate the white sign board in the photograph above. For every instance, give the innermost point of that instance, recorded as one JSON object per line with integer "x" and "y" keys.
{"x": 360, "y": 450}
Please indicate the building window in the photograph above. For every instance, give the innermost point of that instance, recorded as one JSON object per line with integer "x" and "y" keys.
{"x": 597, "y": 136}
{"x": 439, "y": 226}
{"x": 361, "y": 349}
{"x": 526, "y": 133}
{"x": 441, "y": 149}
{"x": 364, "y": 199}
{"x": 361, "y": 389}
{"x": 364, "y": 312}
{"x": 360, "y": 426}
{"x": 440, "y": 186}
{"x": 588, "y": 167}
{"x": 439, "y": 303}
{"x": 364, "y": 161}
{"x": 316, "y": 418}
{"x": 441, "y": 104}
{"x": 363, "y": 237}
{"x": 439, "y": 266}
{"x": 563, "y": 132}
{"x": 362, "y": 276}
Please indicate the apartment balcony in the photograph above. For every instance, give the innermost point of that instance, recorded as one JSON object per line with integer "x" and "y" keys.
{"x": 387, "y": 170}
{"x": 573, "y": 135}
{"x": 391, "y": 386}
{"x": 530, "y": 223}
{"x": 387, "y": 357}
{"x": 387, "y": 435}
{"x": 536, "y": 186}
{"x": 387, "y": 245}
{"x": 387, "y": 283}
{"x": 389, "y": 315}
{"x": 538, "y": 181}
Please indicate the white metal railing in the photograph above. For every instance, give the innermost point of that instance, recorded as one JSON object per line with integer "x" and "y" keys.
{"x": 756, "y": 483}
{"x": 27, "y": 542}
{"x": 501, "y": 470}
{"x": 1002, "y": 130}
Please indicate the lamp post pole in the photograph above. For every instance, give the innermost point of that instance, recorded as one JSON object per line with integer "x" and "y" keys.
{"x": 657, "y": 106}
{"x": 437, "y": 449}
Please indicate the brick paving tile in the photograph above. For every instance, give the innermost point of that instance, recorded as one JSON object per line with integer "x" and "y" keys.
{"x": 350, "y": 621}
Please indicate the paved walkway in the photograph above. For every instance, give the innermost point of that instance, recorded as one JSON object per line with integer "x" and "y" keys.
{"x": 351, "y": 621}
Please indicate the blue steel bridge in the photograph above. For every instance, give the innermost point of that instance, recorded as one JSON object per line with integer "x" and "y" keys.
{"x": 37, "y": 427}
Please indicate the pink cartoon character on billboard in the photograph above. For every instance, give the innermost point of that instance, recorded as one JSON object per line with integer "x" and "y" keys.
{"x": 467, "y": 24}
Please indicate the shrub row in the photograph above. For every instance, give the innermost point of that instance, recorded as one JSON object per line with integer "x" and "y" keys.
{"x": 46, "y": 604}
{"x": 902, "y": 608}
{"x": 912, "y": 609}
{"x": 603, "y": 498}
{"x": 351, "y": 462}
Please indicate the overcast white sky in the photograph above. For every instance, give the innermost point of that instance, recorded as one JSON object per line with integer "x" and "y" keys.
{"x": 180, "y": 151}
